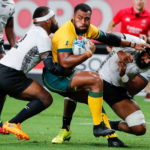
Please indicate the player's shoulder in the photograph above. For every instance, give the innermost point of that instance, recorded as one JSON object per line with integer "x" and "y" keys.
{"x": 37, "y": 34}
{"x": 146, "y": 12}
{"x": 38, "y": 31}
{"x": 65, "y": 28}
{"x": 93, "y": 27}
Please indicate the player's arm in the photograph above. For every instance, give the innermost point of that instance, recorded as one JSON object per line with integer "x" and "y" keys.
{"x": 9, "y": 30}
{"x": 148, "y": 37}
{"x": 111, "y": 26}
{"x": 68, "y": 60}
{"x": 124, "y": 59}
{"x": 136, "y": 85}
{"x": 115, "y": 20}
{"x": 45, "y": 55}
{"x": 114, "y": 40}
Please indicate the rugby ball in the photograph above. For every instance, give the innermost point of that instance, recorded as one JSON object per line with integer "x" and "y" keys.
{"x": 80, "y": 45}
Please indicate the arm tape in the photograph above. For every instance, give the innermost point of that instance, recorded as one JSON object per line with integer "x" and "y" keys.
{"x": 109, "y": 38}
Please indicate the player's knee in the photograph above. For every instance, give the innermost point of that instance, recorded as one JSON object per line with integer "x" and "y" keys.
{"x": 95, "y": 78}
{"x": 136, "y": 122}
{"x": 139, "y": 130}
{"x": 47, "y": 100}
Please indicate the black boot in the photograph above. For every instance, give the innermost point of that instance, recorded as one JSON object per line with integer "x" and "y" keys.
{"x": 114, "y": 124}
{"x": 115, "y": 142}
{"x": 102, "y": 130}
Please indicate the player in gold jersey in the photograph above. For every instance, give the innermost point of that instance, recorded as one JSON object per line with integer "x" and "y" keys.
{"x": 85, "y": 84}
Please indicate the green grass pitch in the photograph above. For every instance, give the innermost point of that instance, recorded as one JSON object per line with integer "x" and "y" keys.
{"x": 43, "y": 127}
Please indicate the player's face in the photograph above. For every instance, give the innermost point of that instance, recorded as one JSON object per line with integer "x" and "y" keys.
{"x": 143, "y": 60}
{"x": 81, "y": 21}
{"x": 139, "y": 4}
{"x": 146, "y": 58}
{"x": 54, "y": 25}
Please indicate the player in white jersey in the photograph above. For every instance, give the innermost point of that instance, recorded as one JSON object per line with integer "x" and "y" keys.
{"x": 7, "y": 9}
{"x": 116, "y": 92}
{"x": 28, "y": 52}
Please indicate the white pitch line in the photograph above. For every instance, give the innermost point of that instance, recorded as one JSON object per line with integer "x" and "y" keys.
{"x": 89, "y": 123}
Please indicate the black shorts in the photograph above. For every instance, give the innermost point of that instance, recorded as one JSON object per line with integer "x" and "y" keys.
{"x": 12, "y": 82}
{"x": 114, "y": 94}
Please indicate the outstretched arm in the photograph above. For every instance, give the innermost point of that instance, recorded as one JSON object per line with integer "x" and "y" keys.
{"x": 114, "y": 40}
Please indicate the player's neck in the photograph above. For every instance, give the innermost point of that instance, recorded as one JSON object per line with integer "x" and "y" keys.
{"x": 43, "y": 26}
{"x": 138, "y": 10}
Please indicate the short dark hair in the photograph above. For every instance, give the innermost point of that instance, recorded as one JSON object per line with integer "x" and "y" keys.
{"x": 40, "y": 11}
{"x": 82, "y": 6}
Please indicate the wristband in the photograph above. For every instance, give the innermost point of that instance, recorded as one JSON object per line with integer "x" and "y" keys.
{"x": 132, "y": 44}
{"x": 124, "y": 78}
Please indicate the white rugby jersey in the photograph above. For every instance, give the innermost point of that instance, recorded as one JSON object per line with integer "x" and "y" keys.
{"x": 7, "y": 9}
{"x": 146, "y": 75}
{"x": 26, "y": 53}
{"x": 110, "y": 70}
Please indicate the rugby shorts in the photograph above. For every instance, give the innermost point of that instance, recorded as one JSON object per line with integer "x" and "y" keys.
{"x": 55, "y": 83}
{"x": 12, "y": 82}
{"x": 113, "y": 94}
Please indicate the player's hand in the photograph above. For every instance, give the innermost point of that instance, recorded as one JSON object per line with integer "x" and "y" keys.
{"x": 141, "y": 46}
{"x": 125, "y": 57}
{"x": 143, "y": 37}
{"x": 92, "y": 46}
{"x": 122, "y": 68}
{"x": 109, "y": 48}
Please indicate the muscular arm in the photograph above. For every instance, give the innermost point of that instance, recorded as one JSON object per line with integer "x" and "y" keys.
{"x": 114, "y": 40}
{"x": 9, "y": 30}
{"x": 67, "y": 60}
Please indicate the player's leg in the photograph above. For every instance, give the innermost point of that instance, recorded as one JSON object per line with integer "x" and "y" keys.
{"x": 136, "y": 85}
{"x": 129, "y": 111}
{"x": 39, "y": 99}
{"x": 65, "y": 132}
{"x": 91, "y": 80}
{"x": 113, "y": 140}
{"x": 79, "y": 81}
{"x": 2, "y": 97}
{"x": 125, "y": 108}
{"x": 2, "y": 101}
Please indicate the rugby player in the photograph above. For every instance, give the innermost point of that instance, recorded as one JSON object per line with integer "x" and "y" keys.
{"x": 119, "y": 80}
{"x": 69, "y": 83}
{"x": 28, "y": 52}
{"x": 7, "y": 9}
{"x": 131, "y": 21}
